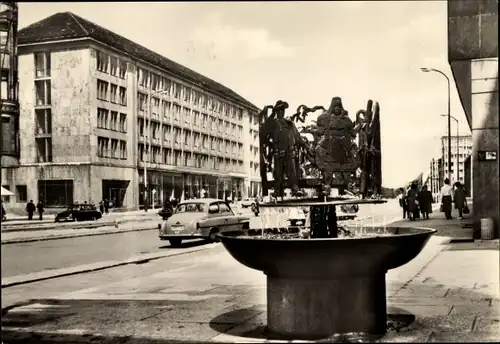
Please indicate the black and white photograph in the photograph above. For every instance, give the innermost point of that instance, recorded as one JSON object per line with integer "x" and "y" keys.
{"x": 250, "y": 172}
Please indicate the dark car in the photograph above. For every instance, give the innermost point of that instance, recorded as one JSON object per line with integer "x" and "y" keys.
{"x": 79, "y": 212}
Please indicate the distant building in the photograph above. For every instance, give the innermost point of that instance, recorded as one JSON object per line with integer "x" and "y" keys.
{"x": 464, "y": 143}
{"x": 436, "y": 177}
{"x": 86, "y": 133}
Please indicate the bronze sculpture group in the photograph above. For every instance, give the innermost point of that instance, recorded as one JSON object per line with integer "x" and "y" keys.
{"x": 322, "y": 155}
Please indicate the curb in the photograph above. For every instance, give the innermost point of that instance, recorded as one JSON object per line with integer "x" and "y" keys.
{"x": 67, "y": 236}
{"x": 24, "y": 227}
{"x": 46, "y": 275}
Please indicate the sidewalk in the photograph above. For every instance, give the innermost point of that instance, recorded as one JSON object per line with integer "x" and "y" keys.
{"x": 452, "y": 289}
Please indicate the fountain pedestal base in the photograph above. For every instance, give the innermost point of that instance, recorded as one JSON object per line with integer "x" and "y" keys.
{"x": 319, "y": 308}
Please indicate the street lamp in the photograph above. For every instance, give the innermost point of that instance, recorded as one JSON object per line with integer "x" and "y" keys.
{"x": 426, "y": 70}
{"x": 458, "y": 146}
{"x": 148, "y": 146}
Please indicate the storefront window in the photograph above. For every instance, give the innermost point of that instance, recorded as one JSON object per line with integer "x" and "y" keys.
{"x": 56, "y": 193}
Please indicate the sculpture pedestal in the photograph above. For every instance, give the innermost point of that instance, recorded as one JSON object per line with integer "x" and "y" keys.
{"x": 319, "y": 308}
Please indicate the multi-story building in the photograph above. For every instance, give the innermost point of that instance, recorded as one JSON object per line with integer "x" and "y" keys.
{"x": 461, "y": 146}
{"x": 9, "y": 88}
{"x": 473, "y": 58}
{"x": 103, "y": 117}
{"x": 436, "y": 177}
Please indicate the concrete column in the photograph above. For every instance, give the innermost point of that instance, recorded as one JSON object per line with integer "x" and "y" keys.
{"x": 485, "y": 136}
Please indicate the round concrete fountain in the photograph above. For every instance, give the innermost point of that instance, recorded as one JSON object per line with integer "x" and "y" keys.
{"x": 320, "y": 287}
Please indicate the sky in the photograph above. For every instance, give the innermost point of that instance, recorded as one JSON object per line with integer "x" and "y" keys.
{"x": 307, "y": 53}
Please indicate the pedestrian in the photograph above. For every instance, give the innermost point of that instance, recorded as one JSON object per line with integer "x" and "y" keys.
{"x": 425, "y": 202}
{"x": 446, "y": 198}
{"x": 106, "y": 206}
{"x": 30, "y": 208}
{"x": 101, "y": 206}
{"x": 40, "y": 209}
{"x": 3, "y": 213}
{"x": 459, "y": 199}
{"x": 412, "y": 199}
{"x": 403, "y": 202}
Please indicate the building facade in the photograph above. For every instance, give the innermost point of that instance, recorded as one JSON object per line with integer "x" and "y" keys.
{"x": 104, "y": 118}
{"x": 436, "y": 177}
{"x": 473, "y": 57}
{"x": 461, "y": 149}
{"x": 9, "y": 87}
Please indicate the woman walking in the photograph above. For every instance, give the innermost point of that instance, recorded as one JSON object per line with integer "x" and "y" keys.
{"x": 425, "y": 202}
{"x": 446, "y": 198}
{"x": 460, "y": 200}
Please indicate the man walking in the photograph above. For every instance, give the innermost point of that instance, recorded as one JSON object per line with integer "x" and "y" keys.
{"x": 40, "y": 209}
{"x": 446, "y": 198}
{"x": 30, "y": 208}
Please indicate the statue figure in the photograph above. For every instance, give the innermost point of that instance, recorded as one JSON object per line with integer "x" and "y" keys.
{"x": 335, "y": 152}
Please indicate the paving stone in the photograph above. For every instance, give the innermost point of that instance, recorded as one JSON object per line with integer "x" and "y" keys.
{"x": 423, "y": 310}
{"x": 420, "y": 336}
{"x": 179, "y": 332}
{"x": 444, "y": 323}
{"x": 487, "y": 324}
{"x": 464, "y": 337}
{"x": 475, "y": 310}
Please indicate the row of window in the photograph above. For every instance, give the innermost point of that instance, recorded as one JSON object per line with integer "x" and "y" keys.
{"x": 111, "y": 65}
{"x": 42, "y": 64}
{"x": 169, "y": 109}
{"x": 223, "y": 130}
{"x": 189, "y": 138}
{"x": 187, "y": 94}
{"x": 42, "y": 92}
{"x": 116, "y": 95}
{"x": 189, "y": 159}
{"x": 111, "y": 120}
{"x": 111, "y": 148}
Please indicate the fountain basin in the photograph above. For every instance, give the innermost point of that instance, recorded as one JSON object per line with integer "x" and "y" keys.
{"x": 317, "y": 288}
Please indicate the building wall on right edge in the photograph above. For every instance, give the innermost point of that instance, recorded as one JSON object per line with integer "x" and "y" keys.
{"x": 485, "y": 136}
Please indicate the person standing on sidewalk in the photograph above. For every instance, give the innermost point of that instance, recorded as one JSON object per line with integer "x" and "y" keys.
{"x": 402, "y": 202}
{"x": 447, "y": 198}
{"x": 40, "y": 209}
{"x": 460, "y": 200}
{"x": 425, "y": 202}
{"x": 101, "y": 207}
{"x": 413, "y": 210}
{"x": 106, "y": 206}
{"x": 30, "y": 208}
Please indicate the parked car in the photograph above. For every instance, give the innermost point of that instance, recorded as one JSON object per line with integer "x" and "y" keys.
{"x": 247, "y": 202}
{"x": 79, "y": 212}
{"x": 201, "y": 218}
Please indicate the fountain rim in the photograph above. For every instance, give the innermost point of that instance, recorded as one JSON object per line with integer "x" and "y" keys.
{"x": 425, "y": 231}
{"x": 309, "y": 203}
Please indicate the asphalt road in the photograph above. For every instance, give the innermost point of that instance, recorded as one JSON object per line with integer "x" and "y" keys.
{"x": 24, "y": 258}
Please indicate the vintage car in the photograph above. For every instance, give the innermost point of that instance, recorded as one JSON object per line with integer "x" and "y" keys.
{"x": 79, "y": 212}
{"x": 200, "y": 218}
{"x": 247, "y": 202}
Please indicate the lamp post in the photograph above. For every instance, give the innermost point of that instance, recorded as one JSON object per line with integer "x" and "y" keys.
{"x": 458, "y": 147}
{"x": 148, "y": 145}
{"x": 426, "y": 70}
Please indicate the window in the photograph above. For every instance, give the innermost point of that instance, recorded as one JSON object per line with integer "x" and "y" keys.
{"x": 167, "y": 155}
{"x": 156, "y": 152}
{"x": 21, "y": 193}
{"x": 123, "y": 149}
{"x": 113, "y": 93}
{"x": 123, "y": 123}
{"x": 42, "y": 65}
{"x": 55, "y": 193}
{"x": 140, "y": 152}
{"x": 140, "y": 124}
{"x": 187, "y": 94}
{"x": 102, "y": 62}
{"x": 43, "y": 121}
{"x": 167, "y": 130}
{"x": 102, "y": 90}
{"x": 43, "y": 95}
{"x": 44, "y": 149}
{"x": 195, "y": 97}
{"x": 114, "y": 148}
{"x": 114, "y": 121}
{"x": 155, "y": 82}
{"x": 123, "y": 69}
{"x": 167, "y": 85}
{"x": 142, "y": 100}
{"x": 155, "y": 106}
{"x": 143, "y": 77}
{"x": 166, "y": 109}
{"x": 113, "y": 63}
{"x": 123, "y": 96}
{"x": 102, "y": 118}
{"x": 177, "y": 90}
{"x": 102, "y": 147}
{"x": 155, "y": 129}
{"x": 4, "y": 84}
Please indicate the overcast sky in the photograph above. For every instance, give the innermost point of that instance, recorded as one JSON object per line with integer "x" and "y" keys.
{"x": 306, "y": 53}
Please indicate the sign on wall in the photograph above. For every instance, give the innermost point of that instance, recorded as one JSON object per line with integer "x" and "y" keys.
{"x": 486, "y": 155}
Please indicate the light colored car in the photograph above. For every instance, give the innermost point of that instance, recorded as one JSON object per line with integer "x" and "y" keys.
{"x": 247, "y": 202}
{"x": 201, "y": 218}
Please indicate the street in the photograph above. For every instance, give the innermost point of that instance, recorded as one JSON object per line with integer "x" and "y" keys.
{"x": 24, "y": 258}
